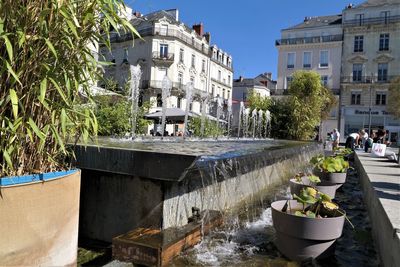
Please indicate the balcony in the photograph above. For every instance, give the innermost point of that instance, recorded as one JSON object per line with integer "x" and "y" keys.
{"x": 367, "y": 79}
{"x": 371, "y": 21}
{"x": 177, "y": 88}
{"x": 163, "y": 59}
{"x": 310, "y": 40}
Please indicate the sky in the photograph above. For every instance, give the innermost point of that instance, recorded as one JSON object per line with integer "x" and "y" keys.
{"x": 247, "y": 30}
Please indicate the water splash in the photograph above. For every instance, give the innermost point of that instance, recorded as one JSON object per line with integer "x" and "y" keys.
{"x": 136, "y": 74}
{"x": 229, "y": 116}
{"x": 189, "y": 92}
{"x": 254, "y": 121}
{"x": 166, "y": 92}
{"x": 241, "y": 109}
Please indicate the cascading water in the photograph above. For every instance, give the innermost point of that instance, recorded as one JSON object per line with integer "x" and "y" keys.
{"x": 219, "y": 107}
{"x": 241, "y": 108}
{"x": 204, "y": 103}
{"x": 246, "y": 121}
{"x": 254, "y": 121}
{"x": 229, "y": 116}
{"x": 165, "y": 93}
{"x": 267, "y": 122}
{"x": 136, "y": 74}
{"x": 189, "y": 91}
{"x": 260, "y": 122}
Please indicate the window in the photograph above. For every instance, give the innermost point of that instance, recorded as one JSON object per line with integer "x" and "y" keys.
{"x": 229, "y": 94}
{"x": 229, "y": 63}
{"x": 384, "y": 42}
{"x": 159, "y": 100}
{"x": 359, "y": 43}
{"x": 360, "y": 19}
{"x": 219, "y": 75}
{"x": 290, "y": 60}
{"x": 163, "y": 51}
{"x": 191, "y": 106}
{"x": 179, "y": 102}
{"x": 357, "y": 72}
{"x": 355, "y": 98}
{"x": 192, "y": 80}
{"x": 385, "y": 15}
{"x": 193, "y": 61}
{"x": 203, "y": 65}
{"x": 324, "y": 80}
{"x": 213, "y": 90}
{"x": 382, "y": 72}
{"x": 289, "y": 80}
{"x": 214, "y": 54}
{"x": 180, "y": 78}
{"x": 307, "y": 60}
{"x": 244, "y": 96}
{"x": 229, "y": 79}
{"x": 181, "y": 55}
{"x": 380, "y": 98}
{"x": 323, "y": 59}
{"x": 223, "y": 93}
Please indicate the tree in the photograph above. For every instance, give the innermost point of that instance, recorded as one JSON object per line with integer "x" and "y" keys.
{"x": 258, "y": 102}
{"x": 310, "y": 102}
{"x": 394, "y": 98}
{"x": 211, "y": 129}
{"x": 281, "y": 116}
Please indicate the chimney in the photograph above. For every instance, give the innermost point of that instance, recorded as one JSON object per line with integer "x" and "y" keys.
{"x": 207, "y": 35}
{"x": 268, "y": 75}
{"x": 241, "y": 78}
{"x": 137, "y": 14}
{"x": 349, "y": 6}
{"x": 199, "y": 29}
{"x": 307, "y": 19}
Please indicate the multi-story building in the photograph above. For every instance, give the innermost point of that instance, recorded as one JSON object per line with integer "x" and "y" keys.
{"x": 315, "y": 44}
{"x": 370, "y": 60}
{"x": 170, "y": 48}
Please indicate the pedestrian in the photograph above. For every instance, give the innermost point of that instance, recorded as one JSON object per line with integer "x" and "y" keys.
{"x": 335, "y": 139}
{"x": 352, "y": 141}
{"x": 363, "y": 137}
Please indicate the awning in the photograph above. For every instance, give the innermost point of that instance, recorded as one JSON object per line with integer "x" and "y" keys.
{"x": 171, "y": 114}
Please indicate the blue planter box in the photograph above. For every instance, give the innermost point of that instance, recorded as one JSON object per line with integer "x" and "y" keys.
{"x": 15, "y": 180}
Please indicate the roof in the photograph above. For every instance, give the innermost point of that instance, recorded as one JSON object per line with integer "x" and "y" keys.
{"x": 313, "y": 22}
{"x": 247, "y": 82}
{"x": 372, "y": 3}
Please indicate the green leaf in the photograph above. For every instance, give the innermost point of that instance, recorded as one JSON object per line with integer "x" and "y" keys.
{"x": 11, "y": 71}
{"x": 8, "y": 47}
{"x": 299, "y": 213}
{"x": 310, "y": 214}
{"x": 14, "y": 102}
{"x": 43, "y": 88}
{"x": 6, "y": 156}
{"x": 35, "y": 128}
{"x": 63, "y": 122}
{"x": 51, "y": 47}
{"x": 59, "y": 90}
{"x": 59, "y": 141}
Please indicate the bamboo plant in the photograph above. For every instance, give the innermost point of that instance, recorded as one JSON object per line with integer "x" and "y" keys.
{"x": 48, "y": 64}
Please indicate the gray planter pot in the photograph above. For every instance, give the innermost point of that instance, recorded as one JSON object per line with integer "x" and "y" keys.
{"x": 331, "y": 177}
{"x": 301, "y": 238}
{"x": 324, "y": 187}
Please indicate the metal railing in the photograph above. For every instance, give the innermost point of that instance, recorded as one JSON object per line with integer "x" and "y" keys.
{"x": 371, "y": 21}
{"x": 163, "y": 56}
{"x": 368, "y": 79}
{"x": 310, "y": 40}
{"x": 178, "y": 88}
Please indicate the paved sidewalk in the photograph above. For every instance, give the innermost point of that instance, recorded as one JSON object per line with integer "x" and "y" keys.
{"x": 380, "y": 181}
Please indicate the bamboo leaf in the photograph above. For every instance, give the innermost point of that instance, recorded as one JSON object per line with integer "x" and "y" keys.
{"x": 8, "y": 47}
{"x": 14, "y": 102}
{"x": 59, "y": 90}
{"x": 43, "y": 87}
{"x": 63, "y": 122}
{"x": 6, "y": 156}
{"x": 51, "y": 47}
{"x": 11, "y": 71}
{"x": 35, "y": 128}
{"x": 58, "y": 138}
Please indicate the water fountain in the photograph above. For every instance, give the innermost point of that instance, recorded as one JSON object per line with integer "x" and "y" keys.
{"x": 136, "y": 74}
{"x": 219, "y": 109}
{"x": 241, "y": 109}
{"x": 165, "y": 93}
{"x": 204, "y": 104}
{"x": 189, "y": 92}
{"x": 229, "y": 116}
{"x": 246, "y": 118}
{"x": 260, "y": 122}
{"x": 254, "y": 121}
{"x": 267, "y": 122}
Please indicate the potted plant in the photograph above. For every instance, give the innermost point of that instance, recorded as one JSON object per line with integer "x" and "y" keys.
{"x": 302, "y": 180}
{"x": 332, "y": 169}
{"x": 346, "y": 153}
{"x": 308, "y": 226}
{"x": 48, "y": 65}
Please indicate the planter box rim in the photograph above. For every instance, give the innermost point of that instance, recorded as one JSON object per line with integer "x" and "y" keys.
{"x": 30, "y": 178}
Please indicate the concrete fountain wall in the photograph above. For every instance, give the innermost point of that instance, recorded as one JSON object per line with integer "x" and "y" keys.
{"x": 124, "y": 188}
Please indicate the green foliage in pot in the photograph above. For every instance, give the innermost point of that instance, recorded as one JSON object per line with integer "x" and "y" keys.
{"x": 47, "y": 67}
{"x": 310, "y": 177}
{"x": 332, "y": 164}
{"x": 341, "y": 151}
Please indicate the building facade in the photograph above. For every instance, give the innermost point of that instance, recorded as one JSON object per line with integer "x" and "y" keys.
{"x": 170, "y": 48}
{"x": 313, "y": 45}
{"x": 370, "y": 61}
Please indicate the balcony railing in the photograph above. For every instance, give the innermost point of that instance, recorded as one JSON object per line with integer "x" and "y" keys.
{"x": 167, "y": 58}
{"x": 371, "y": 21}
{"x": 310, "y": 40}
{"x": 177, "y": 88}
{"x": 368, "y": 79}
